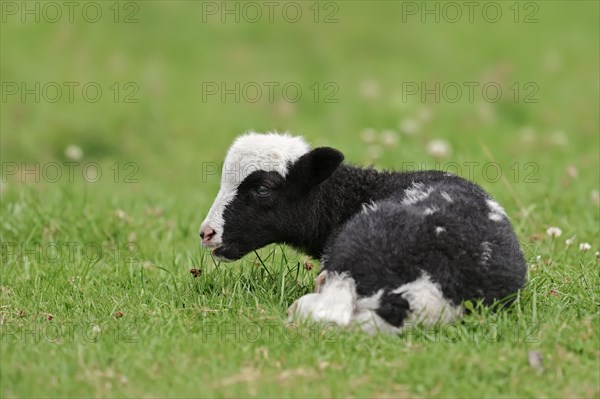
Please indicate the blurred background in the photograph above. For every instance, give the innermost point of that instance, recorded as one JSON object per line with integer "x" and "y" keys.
{"x": 154, "y": 92}
{"x": 115, "y": 117}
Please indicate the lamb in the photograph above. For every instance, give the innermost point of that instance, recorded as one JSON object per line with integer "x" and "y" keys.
{"x": 395, "y": 248}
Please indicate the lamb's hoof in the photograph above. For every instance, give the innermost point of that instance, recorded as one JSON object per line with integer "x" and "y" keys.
{"x": 320, "y": 280}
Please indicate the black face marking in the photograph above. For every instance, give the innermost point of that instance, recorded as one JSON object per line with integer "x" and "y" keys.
{"x": 269, "y": 208}
{"x": 251, "y": 216}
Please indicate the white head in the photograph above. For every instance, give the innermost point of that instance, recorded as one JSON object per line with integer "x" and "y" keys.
{"x": 265, "y": 182}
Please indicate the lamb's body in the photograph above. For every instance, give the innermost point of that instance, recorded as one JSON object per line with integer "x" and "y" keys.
{"x": 433, "y": 228}
{"x": 395, "y": 247}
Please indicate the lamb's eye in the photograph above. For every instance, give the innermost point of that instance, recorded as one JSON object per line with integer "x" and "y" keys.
{"x": 263, "y": 191}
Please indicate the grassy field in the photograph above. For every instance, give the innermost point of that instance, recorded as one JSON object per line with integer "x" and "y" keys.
{"x": 104, "y": 187}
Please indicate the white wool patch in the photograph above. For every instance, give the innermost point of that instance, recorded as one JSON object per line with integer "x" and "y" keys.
{"x": 416, "y": 193}
{"x": 496, "y": 214}
{"x": 439, "y": 230}
{"x": 486, "y": 252}
{"x": 427, "y": 303}
{"x": 249, "y": 153}
{"x": 446, "y": 196}
{"x": 430, "y": 210}
{"x": 335, "y": 302}
{"x": 369, "y": 207}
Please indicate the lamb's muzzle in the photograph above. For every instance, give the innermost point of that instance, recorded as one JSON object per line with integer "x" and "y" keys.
{"x": 206, "y": 234}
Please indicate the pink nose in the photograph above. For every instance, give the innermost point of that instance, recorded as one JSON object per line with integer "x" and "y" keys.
{"x": 207, "y": 234}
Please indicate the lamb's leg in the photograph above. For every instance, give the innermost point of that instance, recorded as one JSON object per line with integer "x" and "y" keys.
{"x": 320, "y": 280}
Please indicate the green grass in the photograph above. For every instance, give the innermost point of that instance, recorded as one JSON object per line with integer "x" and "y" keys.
{"x": 128, "y": 318}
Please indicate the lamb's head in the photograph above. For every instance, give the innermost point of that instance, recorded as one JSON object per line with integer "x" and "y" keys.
{"x": 264, "y": 180}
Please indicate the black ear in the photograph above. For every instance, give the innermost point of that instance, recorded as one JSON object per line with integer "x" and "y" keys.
{"x": 315, "y": 167}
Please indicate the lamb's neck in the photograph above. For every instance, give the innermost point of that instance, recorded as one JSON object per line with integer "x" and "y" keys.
{"x": 329, "y": 205}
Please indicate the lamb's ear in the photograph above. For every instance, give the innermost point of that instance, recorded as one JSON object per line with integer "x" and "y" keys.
{"x": 315, "y": 167}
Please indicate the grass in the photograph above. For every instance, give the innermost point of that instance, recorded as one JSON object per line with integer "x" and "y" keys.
{"x": 96, "y": 294}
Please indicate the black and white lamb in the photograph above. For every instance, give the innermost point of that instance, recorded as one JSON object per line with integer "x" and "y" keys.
{"x": 395, "y": 248}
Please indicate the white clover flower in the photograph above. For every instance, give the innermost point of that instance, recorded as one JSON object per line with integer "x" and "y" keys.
{"x": 570, "y": 241}
{"x": 486, "y": 112}
{"x": 409, "y": 126}
{"x": 554, "y": 232}
{"x": 285, "y": 109}
{"x": 74, "y": 152}
{"x": 559, "y": 138}
{"x": 584, "y": 246}
{"x": 424, "y": 114}
{"x": 527, "y": 134}
{"x": 533, "y": 267}
{"x": 572, "y": 171}
{"x": 595, "y": 197}
{"x": 439, "y": 148}
{"x": 121, "y": 214}
{"x": 368, "y": 135}
{"x": 132, "y": 237}
{"x": 369, "y": 89}
{"x": 389, "y": 138}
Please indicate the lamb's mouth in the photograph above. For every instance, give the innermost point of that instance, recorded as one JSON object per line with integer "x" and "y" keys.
{"x": 225, "y": 253}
